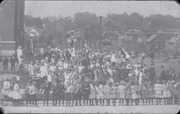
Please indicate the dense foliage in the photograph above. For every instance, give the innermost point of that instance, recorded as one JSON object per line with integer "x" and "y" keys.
{"x": 55, "y": 28}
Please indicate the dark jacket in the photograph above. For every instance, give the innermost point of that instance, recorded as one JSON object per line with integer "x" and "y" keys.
{"x": 58, "y": 89}
{"x": 46, "y": 88}
{"x": 163, "y": 75}
{"x": 12, "y": 61}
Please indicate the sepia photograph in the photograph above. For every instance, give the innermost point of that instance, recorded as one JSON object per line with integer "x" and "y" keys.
{"x": 89, "y": 56}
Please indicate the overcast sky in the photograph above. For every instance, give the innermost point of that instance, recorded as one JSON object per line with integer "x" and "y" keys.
{"x": 69, "y": 8}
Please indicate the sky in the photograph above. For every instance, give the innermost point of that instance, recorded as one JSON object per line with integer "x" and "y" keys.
{"x": 100, "y": 8}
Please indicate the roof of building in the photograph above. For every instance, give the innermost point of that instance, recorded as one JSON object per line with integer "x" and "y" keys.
{"x": 32, "y": 30}
{"x": 173, "y": 40}
{"x": 151, "y": 38}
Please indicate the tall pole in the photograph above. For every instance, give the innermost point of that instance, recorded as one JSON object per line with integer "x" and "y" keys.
{"x": 176, "y": 42}
{"x": 100, "y": 40}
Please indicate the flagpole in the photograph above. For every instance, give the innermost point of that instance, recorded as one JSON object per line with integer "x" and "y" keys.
{"x": 100, "y": 40}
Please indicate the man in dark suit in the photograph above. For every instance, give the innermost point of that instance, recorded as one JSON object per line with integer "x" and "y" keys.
{"x": 5, "y": 64}
{"x": 56, "y": 92}
{"x": 12, "y": 61}
{"x": 61, "y": 93}
{"x": 46, "y": 89}
{"x": 85, "y": 92}
{"x": 163, "y": 75}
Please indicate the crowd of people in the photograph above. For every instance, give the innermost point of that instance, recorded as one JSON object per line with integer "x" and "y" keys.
{"x": 7, "y": 63}
{"x": 91, "y": 77}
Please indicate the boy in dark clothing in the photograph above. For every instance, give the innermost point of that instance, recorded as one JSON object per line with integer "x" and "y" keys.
{"x": 12, "y": 61}
{"x": 55, "y": 92}
{"x": 46, "y": 89}
{"x": 5, "y": 64}
{"x": 61, "y": 93}
{"x": 163, "y": 75}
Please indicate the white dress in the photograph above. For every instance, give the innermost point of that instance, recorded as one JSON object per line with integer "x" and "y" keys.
{"x": 44, "y": 70}
{"x": 93, "y": 92}
{"x": 6, "y": 88}
{"x": 16, "y": 93}
{"x": 52, "y": 68}
{"x": 113, "y": 58}
{"x": 140, "y": 78}
{"x": 100, "y": 91}
{"x": 106, "y": 92}
{"x": 49, "y": 78}
{"x": 133, "y": 91}
{"x": 158, "y": 90}
{"x": 166, "y": 91}
{"x": 121, "y": 91}
{"x": 31, "y": 69}
{"x": 67, "y": 77}
{"x": 19, "y": 54}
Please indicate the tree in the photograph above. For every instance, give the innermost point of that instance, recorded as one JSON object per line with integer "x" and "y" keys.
{"x": 83, "y": 20}
{"x": 32, "y": 21}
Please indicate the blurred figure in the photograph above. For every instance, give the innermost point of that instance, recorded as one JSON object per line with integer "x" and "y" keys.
{"x": 19, "y": 54}
{"x": 176, "y": 92}
{"x": 158, "y": 91}
{"x": 128, "y": 93}
{"x": 5, "y": 64}
{"x": 16, "y": 93}
{"x": 121, "y": 92}
{"x": 107, "y": 93}
{"x": 6, "y": 88}
{"x": 12, "y": 61}
{"x": 56, "y": 91}
{"x": 31, "y": 69}
{"x": 163, "y": 74}
{"x": 46, "y": 91}
{"x": 33, "y": 93}
{"x": 28, "y": 89}
{"x": 85, "y": 92}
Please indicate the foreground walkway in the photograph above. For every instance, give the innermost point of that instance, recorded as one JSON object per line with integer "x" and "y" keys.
{"x": 96, "y": 109}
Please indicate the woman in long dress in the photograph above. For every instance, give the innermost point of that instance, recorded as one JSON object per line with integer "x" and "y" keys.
{"x": 169, "y": 92}
{"x": 92, "y": 95}
{"x": 166, "y": 92}
{"x": 100, "y": 94}
{"x": 158, "y": 91}
{"x": 6, "y": 87}
{"x": 121, "y": 92}
{"x": 19, "y": 54}
{"x": 134, "y": 93}
{"x": 31, "y": 69}
{"x": 114, "y": 93}
{"x": 107, "y": 93}
{"x": 144, "y": 92}
{"x": 16, "y": 95}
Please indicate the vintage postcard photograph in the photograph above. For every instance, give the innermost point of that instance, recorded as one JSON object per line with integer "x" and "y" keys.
{"x": 88, "y": 56}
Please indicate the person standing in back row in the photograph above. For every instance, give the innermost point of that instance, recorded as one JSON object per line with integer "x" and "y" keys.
{"x": 163, "y": 75}
{"x": 12, "y": 61}
{"x": 46, "y": 91}
{"x": 27, "y": 93}
{"x": 5, "y": 64}
{"x": 55, "y": 92}
{"x": 33, "y": 94}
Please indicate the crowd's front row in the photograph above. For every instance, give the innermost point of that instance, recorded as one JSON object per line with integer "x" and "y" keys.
{"x": 92, "y": 93}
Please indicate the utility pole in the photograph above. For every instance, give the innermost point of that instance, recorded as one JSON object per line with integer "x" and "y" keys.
{"x": 176, "y": 40}
{"x": 100, "y": 40}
